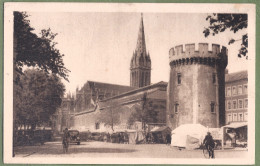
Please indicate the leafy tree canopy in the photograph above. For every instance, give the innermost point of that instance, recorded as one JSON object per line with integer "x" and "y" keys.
{"x": 34, "y": 51}
{"x": 233, "y": 22}
{"x": 111, "y": 115}
{"x": 37, "y": 98}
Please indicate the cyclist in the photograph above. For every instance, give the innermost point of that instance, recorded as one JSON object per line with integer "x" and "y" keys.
{"x": 209, "y": 144}
{"x": 65, "y": 140}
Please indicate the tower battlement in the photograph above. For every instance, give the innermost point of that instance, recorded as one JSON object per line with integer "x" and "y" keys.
{"x": 177, "y": 52}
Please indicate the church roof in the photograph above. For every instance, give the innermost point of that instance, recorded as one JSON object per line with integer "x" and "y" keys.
{"x": 161, "y": 84}
{"x": 231, "y": 77}
{"x": 110, "y": 87}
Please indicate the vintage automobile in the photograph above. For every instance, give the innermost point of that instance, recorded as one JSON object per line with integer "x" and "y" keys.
{"x": 96, "y": 136}
{"x": 74, "y": 136}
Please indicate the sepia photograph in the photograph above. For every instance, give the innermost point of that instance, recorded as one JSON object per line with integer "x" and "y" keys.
{"x": 129, "y": 83}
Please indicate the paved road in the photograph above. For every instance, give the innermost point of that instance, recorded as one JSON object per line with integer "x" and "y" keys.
{"x": 103, "y": 149}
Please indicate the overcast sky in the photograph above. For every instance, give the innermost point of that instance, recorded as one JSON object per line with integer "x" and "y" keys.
{"x": 99, "y": 46}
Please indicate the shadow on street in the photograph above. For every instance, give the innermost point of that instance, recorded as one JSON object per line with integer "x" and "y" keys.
{"x": 56, "y": 149}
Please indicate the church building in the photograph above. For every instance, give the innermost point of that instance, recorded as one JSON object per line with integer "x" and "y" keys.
{"x": 94, "y": 98}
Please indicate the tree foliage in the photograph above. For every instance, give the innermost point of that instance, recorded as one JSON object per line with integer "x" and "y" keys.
{"x": 111, "y": 115}
{"x": 144, "y": 113}
{"x": 33, "y": 51}
{"x": 37, "y": 97}
{"x": 233, "y": 22}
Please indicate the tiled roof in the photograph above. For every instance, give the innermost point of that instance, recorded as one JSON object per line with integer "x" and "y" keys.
{"x": 142, "y": 89}
{"x": 236, "y": 76}
{"x": 111, "y": 87}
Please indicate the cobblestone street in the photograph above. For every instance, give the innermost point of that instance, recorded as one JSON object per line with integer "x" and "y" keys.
{"x": 103, "y": 149}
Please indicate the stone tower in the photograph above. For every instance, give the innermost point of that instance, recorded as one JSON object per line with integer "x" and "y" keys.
{"x": 196, "y": 88}
{"x": 140, "y": 63}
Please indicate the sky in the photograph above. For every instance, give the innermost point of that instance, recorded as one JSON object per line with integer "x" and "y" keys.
{"x": 99, "y": 46}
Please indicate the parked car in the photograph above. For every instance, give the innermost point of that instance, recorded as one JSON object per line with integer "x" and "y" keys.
{"x": 96, "y": 136}
{"x": 74, "y": 136}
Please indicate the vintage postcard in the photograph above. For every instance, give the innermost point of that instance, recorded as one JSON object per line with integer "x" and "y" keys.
{"x": 129, "y": 83}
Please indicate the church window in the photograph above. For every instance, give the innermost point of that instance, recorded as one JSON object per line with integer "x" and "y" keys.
{"x": 179, "y": 78}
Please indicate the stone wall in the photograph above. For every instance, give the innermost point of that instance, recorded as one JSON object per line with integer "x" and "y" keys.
{"x": 196, "y": 88}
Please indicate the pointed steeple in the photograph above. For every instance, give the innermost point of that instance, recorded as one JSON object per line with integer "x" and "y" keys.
{"x": 140, "y": 65}
{"x": 140, "y": 46}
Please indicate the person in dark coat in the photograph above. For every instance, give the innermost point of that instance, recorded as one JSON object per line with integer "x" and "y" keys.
{"x": 65, "y": 140}
{"x": 209, "y": 144}
{"x": 168, "y": 139}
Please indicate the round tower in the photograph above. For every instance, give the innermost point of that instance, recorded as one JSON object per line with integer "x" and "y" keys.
{"x": 140, "y": 65}
{"x": 196, "y": 88}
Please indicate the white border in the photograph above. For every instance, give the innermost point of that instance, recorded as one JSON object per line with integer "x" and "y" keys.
{"x": 9, "y": 7}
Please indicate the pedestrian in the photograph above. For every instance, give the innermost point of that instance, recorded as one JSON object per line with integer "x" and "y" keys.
{"x": 168, "y": 139}
{"x": 209, "y": 144}
{"x": 65, "y": 140}
{"x": 108, "y": 137}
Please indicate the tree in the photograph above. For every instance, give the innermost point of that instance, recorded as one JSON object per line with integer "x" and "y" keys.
{"x": 144, "y": 113}
{"x": 111, "y": 115}
{"x": 37, "y": 98}
{"x": 233, "y": 22}
{"x": 33, "y": 51}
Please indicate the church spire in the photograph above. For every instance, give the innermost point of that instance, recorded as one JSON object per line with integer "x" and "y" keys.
{"x": 140, "y": 65}
{"x": 140, "y": 46}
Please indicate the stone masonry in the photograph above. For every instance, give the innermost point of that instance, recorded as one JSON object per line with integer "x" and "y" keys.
{"x": 196, "y": 88}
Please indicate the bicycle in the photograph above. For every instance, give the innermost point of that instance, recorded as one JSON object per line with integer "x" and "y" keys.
{"x": 208, "y": 152}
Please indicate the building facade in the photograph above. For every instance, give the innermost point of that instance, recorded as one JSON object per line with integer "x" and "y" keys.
{"x": 236, "y": 93}
{"x": 153, "y": 96}
{"x": 196, "y": 86}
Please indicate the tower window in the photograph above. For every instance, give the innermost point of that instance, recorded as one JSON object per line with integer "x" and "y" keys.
{"x": 176, "y": 108}
{"x": 212, "y": 107}
{"x": 179, "y": 78}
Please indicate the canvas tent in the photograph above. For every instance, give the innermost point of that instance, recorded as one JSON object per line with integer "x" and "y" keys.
{"x": 160, "y": 132}
{"x": 189, "y": 136}
{"x": 136, "y": 137}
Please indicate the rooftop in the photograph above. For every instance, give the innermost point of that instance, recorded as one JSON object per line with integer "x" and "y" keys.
{"x": 231, "y": 77}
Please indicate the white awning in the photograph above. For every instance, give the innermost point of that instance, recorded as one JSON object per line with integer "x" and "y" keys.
{"x": 236, "y": 125}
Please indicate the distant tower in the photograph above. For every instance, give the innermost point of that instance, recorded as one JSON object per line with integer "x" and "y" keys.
{"x": 196, "y": 89}
{"x": 140, "y": 63}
